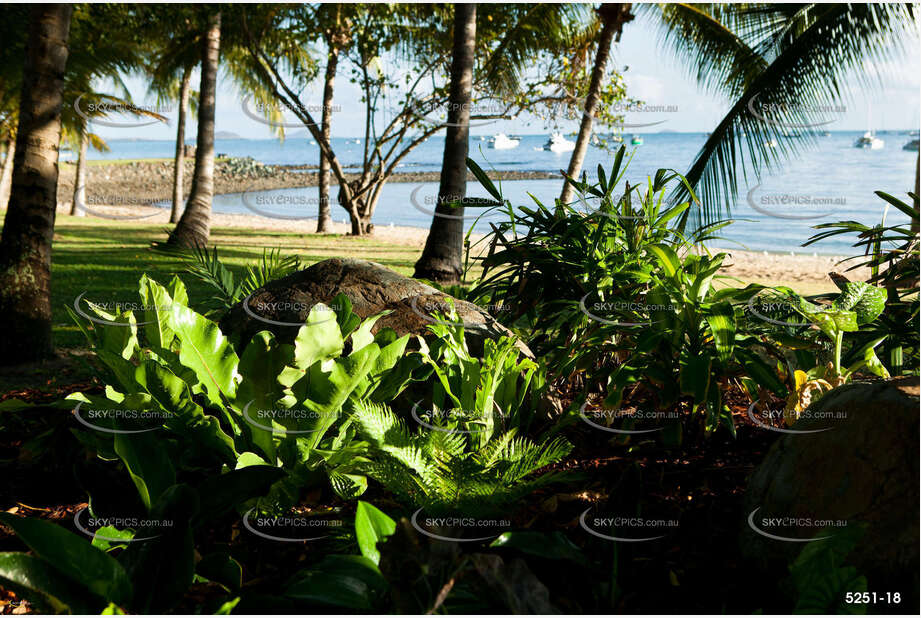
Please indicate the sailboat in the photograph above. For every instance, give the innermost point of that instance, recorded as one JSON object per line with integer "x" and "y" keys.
{"x": 869, "y": 141}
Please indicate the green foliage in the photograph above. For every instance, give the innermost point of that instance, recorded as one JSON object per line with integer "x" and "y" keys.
{"x": 663, "y": 323}
{"x": 695, "y": 341}
{"x": 445, "y": 470}
{"x": 344, "y": 581}
{"x": 820, "y": 577}
{"x": 227, "y": 291}
{"x": 276, "y": 404}
{"x": 891, "y": 253}
{"x": 479, "y": 396}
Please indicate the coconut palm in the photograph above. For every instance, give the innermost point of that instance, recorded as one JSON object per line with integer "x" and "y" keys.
{"x": 194, "y": 227}
{"x": 514, "y": 35}
{"x": 612, "y": 17}
{"x": 440, "y": 258}
{"x": 781, "y": 65}
{"x": 25, "y": 245}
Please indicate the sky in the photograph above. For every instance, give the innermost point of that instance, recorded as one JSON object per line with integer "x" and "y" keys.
{"x": 652, "y": 74}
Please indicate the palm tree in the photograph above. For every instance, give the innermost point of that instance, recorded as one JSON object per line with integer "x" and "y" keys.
{"x": 337, "y": 37}
{"x": 25, "y": 244}
{"x": 792, "y": 59}
{"x": 6, "y": 172}
{"x": 179, "y": 162}
{"x": 613, "y": 17}
{"x": 76, "y": 124}
{"x": 441, "y": 258}
{"x": 194, "y": 227}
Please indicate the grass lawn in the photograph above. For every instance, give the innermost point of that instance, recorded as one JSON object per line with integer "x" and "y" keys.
{"x": 105, "y": 259}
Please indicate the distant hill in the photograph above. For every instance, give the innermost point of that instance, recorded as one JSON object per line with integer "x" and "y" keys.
{"x": 226, "y": 135}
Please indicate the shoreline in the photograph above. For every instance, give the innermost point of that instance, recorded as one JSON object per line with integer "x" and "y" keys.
{"x": 809, "y": 271}
{"x": 144, "y": 182}
{"x": 135, "y": 186}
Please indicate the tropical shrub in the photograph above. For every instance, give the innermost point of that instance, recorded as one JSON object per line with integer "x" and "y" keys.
{"x": 858, "y": 305}
{"x": 891, "y": 253}
{"x": 187, "y": 372}
{"x": 154, "y": 565}
{"x": 693, "y": 344}
{"x": 663, "y": 324}
{"x": 452, "y": 469}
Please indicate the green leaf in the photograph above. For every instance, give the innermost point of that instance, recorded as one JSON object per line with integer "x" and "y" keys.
{"x": 865, "y": 300}
{"x": 227, "y": 608}
{"x": 32, "y": 578}
{"x": 721, "y": 319}
{"x": 220, "y": 567}
{"x": 371, "y": 527}
{"x": 667, "y": 258}
{"x": 101, "y": 540}
{"x": 220, "y": 494}
{"x": 342, "y": 581}
{"x": 113, "y": 610}
{"x": 695, "y": 377}
{"x": 262, "y": 362}
{"x": 553, "y": 546}
{"x": 148, "y": 464}
{"x": 73, "y": 557}
{"x": 156, "y": 303}
{"x": 318, "y": 339}
{"x": 188, "y": 419}
{"x": 483, "y": 179}
{"x": 204, "y": 349}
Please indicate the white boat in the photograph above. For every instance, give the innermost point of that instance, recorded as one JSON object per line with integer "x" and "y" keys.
{"x": 558, "y": 143}
{"x": 501, "y": 141}
{"x": 869, "y": 141}
{"x": 771, "y": 143}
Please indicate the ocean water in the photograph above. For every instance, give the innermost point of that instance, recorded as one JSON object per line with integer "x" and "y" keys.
{"x": 832, "y": 181}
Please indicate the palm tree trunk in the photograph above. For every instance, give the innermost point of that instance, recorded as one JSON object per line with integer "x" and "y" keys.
{"x": 613, "y": 16}
{"x": 914, "y": 223}
{"x": 25, "y": 245}
{"x": 324, "y": 216}
{"x": 194, "y": 227}
{"x": 179, "y": 161}
{"x": 6, "y": 176}
{"x": 442, "y": 258}
{"x": 76, "y": 208}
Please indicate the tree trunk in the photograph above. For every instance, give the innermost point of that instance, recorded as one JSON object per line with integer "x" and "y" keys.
{"x": 179, "y": 162}
{"x": 914, "y": 223}
{"x": 76, "y": 208}
{"x": 194, "y": 227}
{"x": 442, "y": 258}
{"x": 324, "y": 215}
{"x": 6, "y": 176}
{"x": 613, "y": 16}
{"x": 25, "y": 245}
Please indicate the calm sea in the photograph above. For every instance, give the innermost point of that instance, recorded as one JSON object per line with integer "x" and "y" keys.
{"x": 831, "y": 182}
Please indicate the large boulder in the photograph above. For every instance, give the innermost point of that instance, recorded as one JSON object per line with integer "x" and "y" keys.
{"x": 860, "y": 465}
{"x": 281, "y": 306}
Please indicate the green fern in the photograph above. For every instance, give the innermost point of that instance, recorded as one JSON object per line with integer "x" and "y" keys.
{"x": 207, "y": 266}
{"x": 443, "y": 471}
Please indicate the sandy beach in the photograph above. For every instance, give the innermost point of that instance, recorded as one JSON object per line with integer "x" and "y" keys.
{"x": 809, "y": 274}
{"x": 144, "y": 182}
